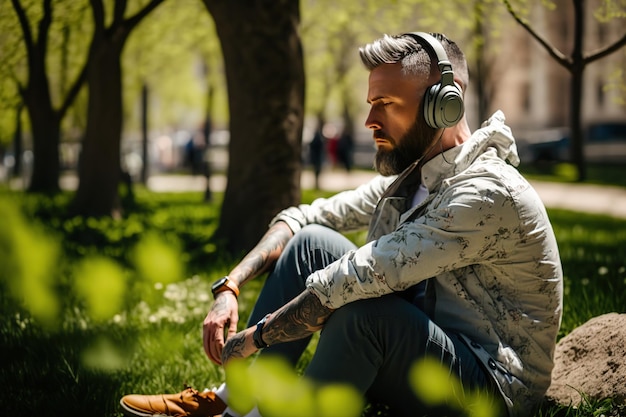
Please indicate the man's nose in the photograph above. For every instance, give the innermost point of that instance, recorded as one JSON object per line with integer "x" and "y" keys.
{"x": 372, "y": 122}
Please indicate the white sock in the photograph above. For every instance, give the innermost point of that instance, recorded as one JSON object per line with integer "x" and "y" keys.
{"x": 254, "y": 413}
{"x": 222, "y": 392}
{"x": 230, "y": 413}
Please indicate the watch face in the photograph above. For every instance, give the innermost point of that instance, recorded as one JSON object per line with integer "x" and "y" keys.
{"x": 219, "y": 283}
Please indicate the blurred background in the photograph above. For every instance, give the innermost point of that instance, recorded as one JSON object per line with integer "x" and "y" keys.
{"x": 175, "y": 98}
{"x": 103, "y": 281}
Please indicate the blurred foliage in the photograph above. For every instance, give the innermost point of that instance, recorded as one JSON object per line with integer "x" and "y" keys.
{"x": 27, "y": 267}
{"x": 280, "y": 392}
{"x": 123, "y": 302}
{"x": 443, "y": 391}
{"x": 101, "y": 283}
{"x": 85, "y": 298}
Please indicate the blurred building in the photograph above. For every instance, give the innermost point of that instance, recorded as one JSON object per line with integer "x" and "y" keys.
{"x": 534, "y": 90}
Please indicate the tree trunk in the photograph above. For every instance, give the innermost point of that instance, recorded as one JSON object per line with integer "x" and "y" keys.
{"x": 45, "y": 124}
{"x": 144, "y": 134}
{"x": 46, "y": 166}
{"x": 17, "y": 142}
{"x": 45, "y": 121}
{"x": 46, "y": 129}
{"x": 99, "y": 166}
{"x": 207, "y": 130}
{"x": 577, "y": 71}
{"x": 577, "y": 135}
{"x": 265, "y": 78}
{"x": 481, "y": 69}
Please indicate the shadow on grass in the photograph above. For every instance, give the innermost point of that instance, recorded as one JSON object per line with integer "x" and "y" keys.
{"x": 42, "y": 374}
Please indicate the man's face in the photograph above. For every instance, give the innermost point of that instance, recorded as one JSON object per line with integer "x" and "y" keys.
{"x": 400, "y": 132}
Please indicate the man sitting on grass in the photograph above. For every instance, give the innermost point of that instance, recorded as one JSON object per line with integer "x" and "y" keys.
{"x": 460, "y": 265}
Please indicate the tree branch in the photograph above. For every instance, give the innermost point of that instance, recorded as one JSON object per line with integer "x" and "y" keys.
{"x": 134, "y": 20}
{"x": 601, "y": 53}
{"x": 21, "y": 89}
{"x": 44, "y": 28}
{"x": 98, "y": 17}
{"x": 73, "y": 91}
{"x": 118, "y": 12}
{"x": 21, "y": 15}
{"x": 552, "y": 51}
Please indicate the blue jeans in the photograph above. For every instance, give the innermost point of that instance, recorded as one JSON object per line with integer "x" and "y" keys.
{"x": 370, "y": 344}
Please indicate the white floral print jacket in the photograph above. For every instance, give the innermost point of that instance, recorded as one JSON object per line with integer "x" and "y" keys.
{"x": 484, "y": 237}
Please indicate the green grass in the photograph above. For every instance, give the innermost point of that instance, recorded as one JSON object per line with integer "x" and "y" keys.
{"x": 77, "y": 357}
{"x": 602, "y": 174}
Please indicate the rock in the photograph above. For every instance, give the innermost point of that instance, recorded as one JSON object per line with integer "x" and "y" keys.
{"x": 591, "y": 361}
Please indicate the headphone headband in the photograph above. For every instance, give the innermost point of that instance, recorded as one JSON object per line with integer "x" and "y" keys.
{"x": 430, "y": 42}
{"x": 443, "y": 102}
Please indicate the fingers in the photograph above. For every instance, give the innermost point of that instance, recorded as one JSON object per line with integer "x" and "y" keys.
{"x": 232, "y": 330}
{"x": 212, "y": 345}
{"x": 222, "y": 317}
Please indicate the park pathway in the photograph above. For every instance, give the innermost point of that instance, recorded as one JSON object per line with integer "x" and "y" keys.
{"x": 586, "y": 198}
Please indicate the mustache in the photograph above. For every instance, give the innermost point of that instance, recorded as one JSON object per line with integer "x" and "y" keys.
{"x": 380, "y": 134}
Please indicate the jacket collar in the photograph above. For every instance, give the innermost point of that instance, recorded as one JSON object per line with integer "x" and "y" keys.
{"x": 493, "y": 136}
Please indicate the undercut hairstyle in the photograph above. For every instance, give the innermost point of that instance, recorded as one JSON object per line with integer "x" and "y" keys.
{"x": 410, "y": 53}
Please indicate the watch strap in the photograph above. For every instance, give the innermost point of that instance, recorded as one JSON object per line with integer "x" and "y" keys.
{"x": 257, "y": 336}
{"x": 227, "y": 285}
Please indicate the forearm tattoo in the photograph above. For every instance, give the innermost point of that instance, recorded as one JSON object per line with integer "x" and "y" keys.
{"x": 234, "y": 347}
{"x": 259, "y": 259}
{"x": 299, "y": 318}
{"x": 220, "y": 306}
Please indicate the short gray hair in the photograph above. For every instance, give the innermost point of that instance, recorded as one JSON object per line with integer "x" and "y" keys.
{"x": 415, "y": 60}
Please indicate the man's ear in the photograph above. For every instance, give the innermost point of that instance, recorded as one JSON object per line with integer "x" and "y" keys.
{"x": 459, "y": 84}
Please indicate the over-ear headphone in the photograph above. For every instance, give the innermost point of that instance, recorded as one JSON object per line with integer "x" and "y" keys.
{"x": 443, "y": 102}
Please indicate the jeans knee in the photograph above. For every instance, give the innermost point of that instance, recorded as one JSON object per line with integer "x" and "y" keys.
{"x": 313, "y": 248}
{"x": 359, "y": 319}
{"x": 384, "y": 321}
{"x": 317, "y": 237}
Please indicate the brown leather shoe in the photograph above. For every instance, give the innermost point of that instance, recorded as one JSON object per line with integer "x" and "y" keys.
{"x": 188, "y": 403}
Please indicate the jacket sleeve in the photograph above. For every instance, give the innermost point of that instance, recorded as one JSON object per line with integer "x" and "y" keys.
{"x": 465, "y": 225}
{"x": 344, "y": 212}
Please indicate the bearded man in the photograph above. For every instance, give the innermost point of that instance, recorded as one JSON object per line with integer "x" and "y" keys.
{"x": 460, "y": 264}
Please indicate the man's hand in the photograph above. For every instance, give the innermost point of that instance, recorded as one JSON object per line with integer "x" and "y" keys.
{"x": 222, "y": 318}
{"x": 301, "y": 317}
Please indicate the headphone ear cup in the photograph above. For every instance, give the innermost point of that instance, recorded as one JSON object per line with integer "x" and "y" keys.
{"x": 443, "y": 105}
{"x": 430, "y": 105}
{"x": 449, "y": 107}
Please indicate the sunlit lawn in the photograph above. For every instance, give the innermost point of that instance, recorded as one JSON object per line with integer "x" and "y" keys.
{"x": 97, "y": 309}
{"x": 604, "y": 174}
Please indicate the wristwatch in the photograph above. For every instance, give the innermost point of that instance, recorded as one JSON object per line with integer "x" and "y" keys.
{"x": 224, "y": 284}
{"x": 257, "y": 336}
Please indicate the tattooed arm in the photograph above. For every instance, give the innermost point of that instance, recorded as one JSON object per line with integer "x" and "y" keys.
{"x": 264, "y": 254}
{"x": 301, "y": 317}
{"x": 223, "y": 314}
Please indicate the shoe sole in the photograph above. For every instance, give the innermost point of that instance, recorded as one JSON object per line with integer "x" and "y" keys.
{"x": 132, "y": 412}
